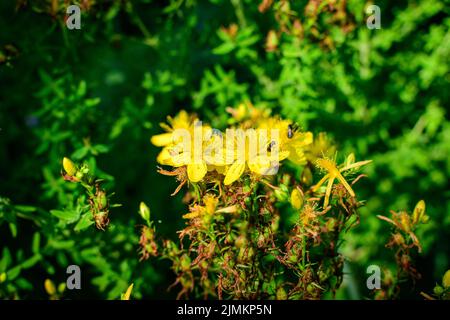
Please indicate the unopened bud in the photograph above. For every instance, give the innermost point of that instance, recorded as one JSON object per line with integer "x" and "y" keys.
{"x": 69, "y": 167}
{"x": 446, "y": 279}
{"x": 281, "y": 294}
{"x": 419, "y": 212}
{"x": 49, "y": 287}
{"x": 438, "y": 290}
{"x": 102, "y": 200}
{"x": 350, "y": 159}
{"x": 296, "y": 199}
{"x": 271, "y": 41}
{"x": 144, "y": 211}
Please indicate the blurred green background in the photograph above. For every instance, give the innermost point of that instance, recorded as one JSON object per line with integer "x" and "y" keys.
{"x": 97, "y": 95}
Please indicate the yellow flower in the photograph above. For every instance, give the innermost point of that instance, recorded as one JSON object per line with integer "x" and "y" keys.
{"x": 333, "y": 172}
{"x": 181, "y": 121}
{"x": 292, "y": 142}
{"x": 189, "y": 151}
{"x": 249, "y": 152}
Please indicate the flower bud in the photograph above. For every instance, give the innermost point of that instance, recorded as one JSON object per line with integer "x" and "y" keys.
{"x": 296, "y": 199}
{"x": 446, "y": 279}
{"x": 2, "y": 277}
{"x": 61, "y": 287}
{"x": 438, "y": 290}
{"x": 419, "y": 212}
{"x": 79, "y": 175}
{"x": 144, "y": 211}
{"x": 271, "y": 41}
{"x": 282, "y": 193}
{"x": 281, "y": 294}
{"x": 49, "y": 287}
{"x": 102, "y": 200}
{"x": 69, "y": 167}
{"x": 350, "y": 159}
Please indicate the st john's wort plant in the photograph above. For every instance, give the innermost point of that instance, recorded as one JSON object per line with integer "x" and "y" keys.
{"x": 253, "y": 229}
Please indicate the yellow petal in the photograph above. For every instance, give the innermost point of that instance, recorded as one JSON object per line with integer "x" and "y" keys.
{"x": 234, "y": 172}
{"x": 162, "y": 140}
{"x": 164, "y": 157}
{"x": 190, "y": 215}
{"x": 328, "y": 192}
{"x": 196, "y": 171}
{"x": 297, "y": 156}
{"x": 345, "y": 184}
{"x": 181, "y": 159}
{"x": 263, "y": 166}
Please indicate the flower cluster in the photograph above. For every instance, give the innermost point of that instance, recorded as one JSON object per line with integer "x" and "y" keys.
{"x": 256, "y": 146}
{"x": 253, "y": 229}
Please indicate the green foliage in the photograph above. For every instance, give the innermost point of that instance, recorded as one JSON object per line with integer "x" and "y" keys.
{"x": 97, "y": 94}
